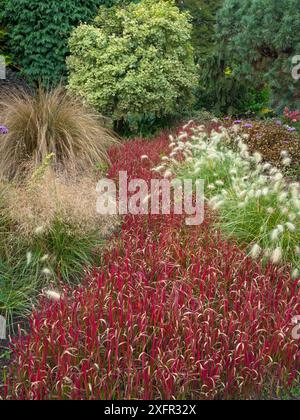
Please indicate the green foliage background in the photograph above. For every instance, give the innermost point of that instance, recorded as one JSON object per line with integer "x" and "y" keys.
{"x": 243, "y": 48}
{"x": 261, "y": 37}
{"x": 203, "y": 14}
{"x": 38, "y": 33}
{"x": 135, "y": 62}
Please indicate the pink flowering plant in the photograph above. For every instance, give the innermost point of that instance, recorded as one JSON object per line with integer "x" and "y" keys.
{"x": 3, "y": 129}
{"x": 292, "y": 118}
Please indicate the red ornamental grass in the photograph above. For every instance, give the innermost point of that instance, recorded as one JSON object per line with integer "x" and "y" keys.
{"x": 175, "y": 312}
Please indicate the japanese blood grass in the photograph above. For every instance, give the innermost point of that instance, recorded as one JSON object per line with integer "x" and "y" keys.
{"x": 256, "y": 206}
{"x": 173, "y": 314}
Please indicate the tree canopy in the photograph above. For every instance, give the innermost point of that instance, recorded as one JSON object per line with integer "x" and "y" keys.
{"x": 134, "y": 61}
{"x": 38, "y": 32}
{"x": 262, "y": 37}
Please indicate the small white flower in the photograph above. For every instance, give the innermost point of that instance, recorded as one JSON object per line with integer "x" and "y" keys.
{"x": 282, "y": 197}
{"x": 292, "y": 217}
{"x": 280, "y": 228}
{"x": 291, "y": 227}
{"x": 267, "y": 253}
{"x": 294, "y": 191}
{"x": 28, "y": 258}
{"x": 158, "y": 169}
{"x": 251, "y": 193}
{"x": 186, "y": 155}
{"x": 297, "y": 250}
{"x": 182, "y": 136}
{"x": 220, "y": 183}
{"x": 267, "y": 166}
{"x": 168, "y": 174}
{"x": 242, "y": 194}
{"x": 284, "y": 210}
{"x": 295, "y": 274}
{"x": 46, "y": 271}
{"x": 276, "y": 256}
{"x": 258, "y": 193}
{"x": 53, "y": 295}
{"x": 277, "y": 186}
{"x": 287, "y": 161}
{"x": 245, "y": 154}
{"x": 257, "y": 157}
{"x": 187, "y": 125}
{"x": 273, "y": 171}
{"x": 39, "y": 230}
{"x": 218, "y": 205}
{"x": 284, "y": 154}
{"x": 296, "y": 203}
{"x": 255, "y": 251}
{"x": 278, "y": 177}
{"x": 274, "y": 235}
{"x": 45, "y": 258}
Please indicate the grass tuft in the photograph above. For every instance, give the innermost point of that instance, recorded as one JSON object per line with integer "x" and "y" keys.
{"x": 52, "y": 123}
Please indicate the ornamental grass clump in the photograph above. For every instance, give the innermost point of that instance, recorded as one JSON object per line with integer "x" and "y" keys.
{"x": 56, "y": 215}
{"x": 256, "y": 205}
{"x": 49, "y": 232}
{"x": 50, "y": 122}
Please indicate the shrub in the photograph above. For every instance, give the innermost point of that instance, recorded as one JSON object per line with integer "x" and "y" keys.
{"x": 221, "y": 89}
{"x": 50, "y": 122}
{"x": 271, "y": 138}
{"x": 202, "y": 116}
{"x": 134, "y": 62}
{"x": 293, "y": 116}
